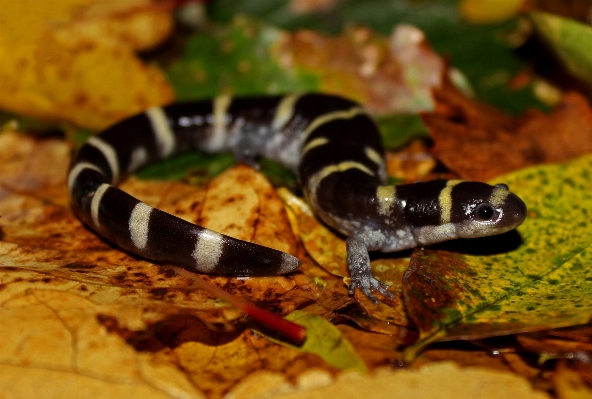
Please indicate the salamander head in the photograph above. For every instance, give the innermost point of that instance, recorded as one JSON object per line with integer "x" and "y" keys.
{"x": 480, "y": 210}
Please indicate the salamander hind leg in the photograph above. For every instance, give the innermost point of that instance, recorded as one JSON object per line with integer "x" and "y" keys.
{"x": 358, "y": 262}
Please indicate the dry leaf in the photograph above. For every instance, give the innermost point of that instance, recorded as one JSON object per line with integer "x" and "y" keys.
{"x": 479, "y": 142}
{"x": 40, "y": 233}
{"x": 74, "y": 60}
{"x": 439, "y": 380}
{"x": 569, "y": 384}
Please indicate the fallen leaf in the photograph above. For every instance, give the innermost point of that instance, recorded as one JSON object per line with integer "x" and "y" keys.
{"x": 541, "y": 283}
{"x": 387, "y": 75}
{"x": 329, "y": 251}
{"x": 412, "y": 163}
{"x": 568, "y": 383}
{"x": 40, "y": 233}
{"x": 479, "y": 142}
{"x": 326, "y": 341}
{"x": 439, "y": 380}
{"x": 579, "y": 333}
{"x": 322, "y": 244}
{"x": 74, "y": 60}
{"x": 553, "y": 348}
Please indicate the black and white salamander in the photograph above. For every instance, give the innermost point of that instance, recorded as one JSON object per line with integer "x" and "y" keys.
{"x": 332, "y": 145}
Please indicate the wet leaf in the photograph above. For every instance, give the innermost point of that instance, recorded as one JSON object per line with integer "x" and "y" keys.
{"x": 569, "y": 40}
{"x": 389, "y": 271}
{"x": 56, "y": 59}
{"x": 507, "y": 284}
{"x": 411, "y": 163}
{"x": 479, "y": 142}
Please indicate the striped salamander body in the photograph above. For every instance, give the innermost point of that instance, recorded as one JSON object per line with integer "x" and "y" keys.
{"x": 332, "y": 145}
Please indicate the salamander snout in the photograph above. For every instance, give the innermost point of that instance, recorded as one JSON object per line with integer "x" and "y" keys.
{"x": 492, "y": 210}
{"x": 514, "y": 212}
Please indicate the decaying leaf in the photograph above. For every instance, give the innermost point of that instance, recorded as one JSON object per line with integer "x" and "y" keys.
{"x": 74, "y": 60}
{"x": 60, "y": 333}
{"x": 479, "y": 142}
{"x": 411, "y": 163}
{"x": 535, "y": 279}
{"x": 39, "y": 233}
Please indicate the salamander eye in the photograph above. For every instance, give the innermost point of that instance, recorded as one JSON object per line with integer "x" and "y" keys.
{"x": 485, "y": 211}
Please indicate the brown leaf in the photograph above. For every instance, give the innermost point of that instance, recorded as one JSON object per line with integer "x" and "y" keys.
{"x": 478, "y": 142}
{"x": 549, "y": 347}
{"x": 569, "y": 384}
{"x": 411, "y": 163}
{"x": 41, "y": 234}
{"x": 387, "y": 75}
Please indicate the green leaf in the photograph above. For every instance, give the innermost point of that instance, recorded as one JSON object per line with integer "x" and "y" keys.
{"x": 325, "y": 341}
{"x": 479, "y": 51}
{"x": 398, "y": 129}
{"x": 196, "y": 166}
{"x": 544, "y": 282}
{"x": 570, "y": 40}
{"x": 235, "y": 59}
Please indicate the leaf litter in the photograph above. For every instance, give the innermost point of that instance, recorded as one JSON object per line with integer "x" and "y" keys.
{"x": 141, "y": 304}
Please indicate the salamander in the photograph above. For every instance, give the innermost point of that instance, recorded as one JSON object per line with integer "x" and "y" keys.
{"x": 329, "y": 142}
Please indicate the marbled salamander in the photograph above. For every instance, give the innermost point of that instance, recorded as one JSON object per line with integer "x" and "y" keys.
{"x": 329, "y": 142}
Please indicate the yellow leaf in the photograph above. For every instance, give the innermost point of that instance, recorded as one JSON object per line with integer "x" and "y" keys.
{"x": 434, "y": 381}
{"x": 489, "y": 11}
{"x": 324, "y": 246}
{"x": 54, "y": 70}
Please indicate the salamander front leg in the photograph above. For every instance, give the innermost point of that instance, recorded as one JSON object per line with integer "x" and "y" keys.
{"x": 358, "y": 262}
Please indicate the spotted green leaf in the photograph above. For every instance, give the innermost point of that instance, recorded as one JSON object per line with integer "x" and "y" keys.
{"x": 505, "y": 284}
{"x": 570, "y": 40}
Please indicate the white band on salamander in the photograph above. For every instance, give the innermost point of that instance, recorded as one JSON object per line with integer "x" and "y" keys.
{"x": 138, "y": 224}
{"x": 109, "y": 153}
{"x": 96, "y": 203}
{"x": 76, "y": 170}
{"x": 208, "y": 250}
{"x": 165, "y": 138}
